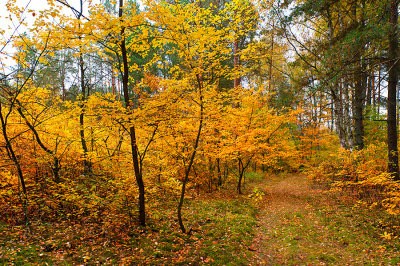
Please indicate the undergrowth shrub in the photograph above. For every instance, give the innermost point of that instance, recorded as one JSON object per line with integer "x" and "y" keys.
{"x": 360, "y": 175}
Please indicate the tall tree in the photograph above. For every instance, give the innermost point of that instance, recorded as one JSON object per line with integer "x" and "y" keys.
{"x": 393, "y": 69}
{"x": 132, "y": 130}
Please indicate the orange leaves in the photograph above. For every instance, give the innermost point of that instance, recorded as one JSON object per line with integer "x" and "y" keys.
{"x": 361, "y": 175}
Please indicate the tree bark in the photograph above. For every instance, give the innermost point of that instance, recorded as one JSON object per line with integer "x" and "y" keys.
{"x": 358, "y": 109}
{"x": 359, "y": 86}
{"x": 236, "y": 80}
{"x": 219, "y": 172}
{"x": 132, "y": 132}
{"x": 393, "y": 67}
{"x": 338, "y": 111}
{"x": 191, "y": 161}
{"x": 10, "y": 150}
{"x": 271, "y": 57}
{"x": 14, "y": 159}
{"x": 56, "y": 162}
{"x": 347, "y": 116}
{"x": 87, "y": 168}
{"x": 241, "y": 172}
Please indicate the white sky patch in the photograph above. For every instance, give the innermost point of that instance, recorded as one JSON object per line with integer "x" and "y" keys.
{"x": 12, "y": 26}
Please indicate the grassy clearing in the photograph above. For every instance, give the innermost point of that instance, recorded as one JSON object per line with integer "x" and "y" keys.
{"x": 222, "y": 231}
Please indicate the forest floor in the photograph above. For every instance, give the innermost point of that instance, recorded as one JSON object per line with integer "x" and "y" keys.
{"x": 301, "y": 224}
{"x": 280, "y": 220}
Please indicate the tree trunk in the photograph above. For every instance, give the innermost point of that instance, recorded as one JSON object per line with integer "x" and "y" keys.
{"x": 56, "y": 163}
{"x": 236, "y": 80}
{"x": 340, "y": 127}
{"x": 359, "y": 86}
{"x": 10, "y": 150}
{"x": 132, "y": 132}
{"x": 347, "y": 117}
{"x": 271, "y": 57}
{"x": 370, "y": 84}
{"x": 393, "y": 68}
{"x": 358, "y": 110}
{"x": 241, "y": 172}
{"x": 87, "y": 169}
{"x": 379, "y": 90}
{"x": 195, "y": 146}
{"x": 219, "y": 172}
{"x": 14, "y": 159}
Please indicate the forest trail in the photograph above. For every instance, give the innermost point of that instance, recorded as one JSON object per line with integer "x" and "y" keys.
{"x": 298, "y": 224}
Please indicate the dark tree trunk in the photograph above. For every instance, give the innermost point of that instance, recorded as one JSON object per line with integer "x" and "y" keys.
{"x": 242, "y": 169}
{"x": 379, "y": 90}
{"x": 359, "y": 86}
{"x": 10, "y": 150}
{"x": 210, "y": 174}
{"x": 236, "y": 80}
{"x": 369, "y": 90}
{"x": 241, "y": 173}
{"x": 393, "y": 68}
{"x": 191, "y": 161}
{"x": 56, "y": 163}
{"x": 14, "y": 159}
{"x": 271, "y": 57}
{"x": 219, "y": 172}
{"x": 132, "y": 132}
{"x": 87, "y": 168}
{"x": 358, "y": 110}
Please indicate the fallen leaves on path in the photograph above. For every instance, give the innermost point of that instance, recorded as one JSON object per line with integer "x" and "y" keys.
{"x": 299, "y": 224}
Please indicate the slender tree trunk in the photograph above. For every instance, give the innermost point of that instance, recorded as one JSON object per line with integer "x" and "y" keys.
{"x": 132, "y": 132}
{"x": 370, "y": 85}
{"x": 63, "y": 96}
{"x": 195, "y": 146}
{"x": 241, "y": 169}
{"x": 373, "y": 90}
{"x": 236, "y": 80}
{"x": 14, "y": 159}
{"x": 86, "y": 164}
{"x": 336, "y": 91}
{"x": 347, "y": 116}
{"x": 56, "y": 170}
{"x": 219, "y": 172}
{"x": 358, "y": 111}
{"x": 210, "y": 174}
{"x": 241, "y": 172}
{"x": 393, "y": 66}
{"x": 56, "y": 162}
{"x": 340, "y": 128}
{"x": 359, "y": 87}
{"x": 10, "y": 150}
{"x": 397, "y": 107}
{"x": 271, "y": 57}
{"x": 113, "y": 89}
{"x": 87, "y": 167}
{"x": 379, "y": 91}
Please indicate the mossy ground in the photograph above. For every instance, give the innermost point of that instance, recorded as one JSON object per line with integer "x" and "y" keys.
{"x": 221, "y": 228}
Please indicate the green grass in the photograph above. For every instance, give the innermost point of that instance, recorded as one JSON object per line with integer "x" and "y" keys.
{"x": 221, "y": 232}
{"x": 228, "y": 228}
{"x": 254, "y": 176}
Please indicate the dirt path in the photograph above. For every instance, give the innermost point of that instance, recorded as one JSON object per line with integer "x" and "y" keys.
{"x": 302, "y": 225}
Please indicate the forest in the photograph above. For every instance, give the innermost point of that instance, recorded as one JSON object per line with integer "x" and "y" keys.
{"x": 196, "y": 132}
